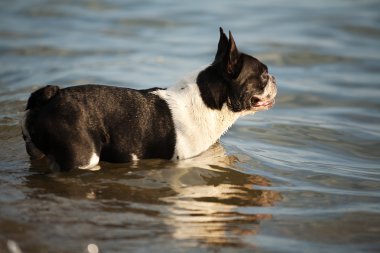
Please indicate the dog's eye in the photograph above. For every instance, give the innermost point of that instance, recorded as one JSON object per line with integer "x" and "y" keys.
{"x": 264, "y": 77}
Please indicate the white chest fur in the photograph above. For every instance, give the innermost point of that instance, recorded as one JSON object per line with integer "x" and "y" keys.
{"x": 197, "y": 127}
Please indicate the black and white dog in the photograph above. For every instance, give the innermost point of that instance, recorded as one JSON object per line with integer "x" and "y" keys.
{"x": 77, "y": 126}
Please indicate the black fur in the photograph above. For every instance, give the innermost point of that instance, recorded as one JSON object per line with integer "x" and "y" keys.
{"x": 115, "y": 122}
{"x": 69, "y": 125}
{"x": 233, "y": 78}
{"x": 41, "y": 96}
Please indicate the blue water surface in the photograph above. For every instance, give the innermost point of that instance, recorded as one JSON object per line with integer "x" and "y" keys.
{"x": 301, "y": 177}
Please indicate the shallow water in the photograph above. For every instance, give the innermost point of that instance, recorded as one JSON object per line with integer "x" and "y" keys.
{"x": 302, "y": 177}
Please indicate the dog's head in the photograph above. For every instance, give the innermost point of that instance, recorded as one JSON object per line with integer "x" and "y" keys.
{"x": 238, "y": 79}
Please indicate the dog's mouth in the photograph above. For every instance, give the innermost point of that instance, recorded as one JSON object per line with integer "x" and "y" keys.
{"x": 260, "y": 104}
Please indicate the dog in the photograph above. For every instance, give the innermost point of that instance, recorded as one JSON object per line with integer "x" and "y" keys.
{"x": 78, "y": 126}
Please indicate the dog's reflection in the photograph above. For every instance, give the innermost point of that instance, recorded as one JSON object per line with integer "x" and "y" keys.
{"x": 212, "y": 198}
{"x": 207, "y": 199}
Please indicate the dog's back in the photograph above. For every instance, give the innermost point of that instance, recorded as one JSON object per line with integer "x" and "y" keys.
{"x": 78, "y": 125}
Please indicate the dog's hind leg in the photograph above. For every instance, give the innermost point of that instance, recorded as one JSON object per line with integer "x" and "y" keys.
{"x": 76, "y": 154}
{"x": 92, "y": 163}
{"x": 71, "y": 159}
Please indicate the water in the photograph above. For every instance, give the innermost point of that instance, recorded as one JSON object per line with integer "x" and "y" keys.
{"x": 302, "y": 177}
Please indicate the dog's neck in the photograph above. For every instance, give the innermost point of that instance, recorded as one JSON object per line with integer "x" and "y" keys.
{"x": 197, "y": 126}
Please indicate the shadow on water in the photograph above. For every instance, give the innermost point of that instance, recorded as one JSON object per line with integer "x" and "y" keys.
{"x": 194, "y": 201}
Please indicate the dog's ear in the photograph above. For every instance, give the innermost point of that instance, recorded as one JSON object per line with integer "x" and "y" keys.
{"x": 232, "y": 57}
{"x": 222, "y": 46}
{"x": 227, "y": 57}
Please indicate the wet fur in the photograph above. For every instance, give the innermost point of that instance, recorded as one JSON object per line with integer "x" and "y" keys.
{"x": 76, "y": 127}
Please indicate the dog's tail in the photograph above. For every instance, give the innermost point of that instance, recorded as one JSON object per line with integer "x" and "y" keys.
{"x": 42, "y": 96}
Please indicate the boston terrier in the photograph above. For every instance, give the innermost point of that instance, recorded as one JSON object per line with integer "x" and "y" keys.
{"x": 76, "y": 127}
